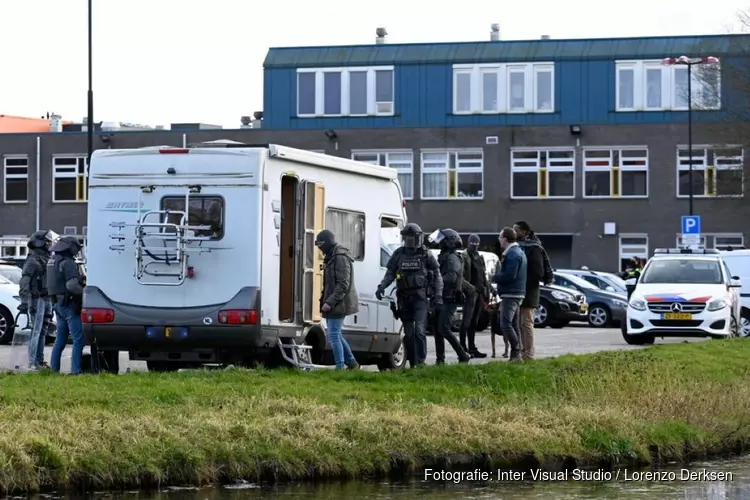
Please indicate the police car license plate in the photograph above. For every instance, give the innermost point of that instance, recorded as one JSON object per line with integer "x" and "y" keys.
{"x": 677, "y": 316}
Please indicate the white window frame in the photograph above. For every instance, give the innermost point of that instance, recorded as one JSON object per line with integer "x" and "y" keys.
{"x": 540, "y": 169}
{"x": 14, "y": 176}
{"x": 630, "y": 251}
{"x": 709, "y": 167}
{"x": 705, "y": 242}
{"x": 669, "y": 95}
{"x": 446, "y": 169}
{"x": 57, "y": 174}
{"x": 531, "y": 72}
{"x": 374, "y": 108}
{"x": 384, "y": 159}
{"x": 616, "y": 170}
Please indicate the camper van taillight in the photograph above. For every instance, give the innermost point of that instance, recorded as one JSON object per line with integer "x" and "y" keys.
{"x": 174, "y": 151}
{"x": 238, "y": 317}
{"x": 97, "y": 315}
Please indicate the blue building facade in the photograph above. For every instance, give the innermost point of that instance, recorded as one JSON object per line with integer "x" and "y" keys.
{"x": 587, "y": 140}
{"x": 494, "y": 83}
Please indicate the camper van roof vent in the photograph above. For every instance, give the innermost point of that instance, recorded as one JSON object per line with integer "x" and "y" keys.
{"x": 495, "y": 32}
{"x": 545, "y": 37}
{"x": 218, "y": 143}
{"x": 380, "y": 35}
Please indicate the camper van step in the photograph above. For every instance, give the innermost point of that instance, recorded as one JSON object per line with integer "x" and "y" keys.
{"x": 117, "y": 248}
{"x": 118, "y": 236}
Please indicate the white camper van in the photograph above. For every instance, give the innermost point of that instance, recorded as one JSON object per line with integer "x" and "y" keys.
{"x": 237, "y": 272}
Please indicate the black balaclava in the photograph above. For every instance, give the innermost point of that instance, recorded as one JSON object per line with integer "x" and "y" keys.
{"x": 325, "y": 240}
{"x": 473, "y": 244}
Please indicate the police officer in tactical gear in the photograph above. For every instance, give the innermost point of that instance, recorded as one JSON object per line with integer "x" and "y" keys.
{"x": 474, "y": 273}
{"x": 34, "y": 297}
{"x": 65, "y": 284}
{"x": 451, "y": 269}
{"x": 417, "y": 277}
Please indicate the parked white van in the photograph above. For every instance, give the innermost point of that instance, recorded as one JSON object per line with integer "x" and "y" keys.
{"x": 738, "y": 262}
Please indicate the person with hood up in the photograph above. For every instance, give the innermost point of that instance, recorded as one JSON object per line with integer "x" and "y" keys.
{"x": 35, "y": 299}
{"x": 538, "y": 270}
{"x": 339, "y": 298}
{"x": 65, "y": 284}
{"x": 475, "y": 274}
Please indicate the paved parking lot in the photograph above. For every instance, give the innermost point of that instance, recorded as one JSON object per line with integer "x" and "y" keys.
{"x": 574, "y": 339}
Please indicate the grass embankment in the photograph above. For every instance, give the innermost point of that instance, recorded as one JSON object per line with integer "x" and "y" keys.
{"x": 141, "y": 429}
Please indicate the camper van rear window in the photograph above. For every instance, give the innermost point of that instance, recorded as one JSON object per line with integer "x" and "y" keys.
{"x": 207, "y": 211}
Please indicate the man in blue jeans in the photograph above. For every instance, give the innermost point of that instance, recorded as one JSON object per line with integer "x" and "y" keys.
{"x": 511, "y": 286}
{"x": 339, "y": 298}
{"x": 65, "y": 285}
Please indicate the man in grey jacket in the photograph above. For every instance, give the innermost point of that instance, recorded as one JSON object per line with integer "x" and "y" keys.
{"x": 339, "y": 298}
{"x": 511, "y": 286}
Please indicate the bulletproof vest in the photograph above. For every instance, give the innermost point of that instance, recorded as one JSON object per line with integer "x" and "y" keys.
{"x": 412, "y": 272}
{"x": 42, "y": 278}
{"x": 55, "y": 276}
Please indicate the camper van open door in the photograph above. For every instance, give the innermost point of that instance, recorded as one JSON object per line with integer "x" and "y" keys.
{"x": 312, "y": 200}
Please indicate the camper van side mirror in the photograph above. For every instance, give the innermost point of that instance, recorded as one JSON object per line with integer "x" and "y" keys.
{"x": 736, "y": 282}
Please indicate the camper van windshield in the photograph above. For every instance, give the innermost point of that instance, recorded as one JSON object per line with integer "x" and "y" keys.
{"x": 205, "y": 211}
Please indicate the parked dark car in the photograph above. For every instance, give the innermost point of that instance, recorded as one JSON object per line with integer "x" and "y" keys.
{"x": 606, "y": 309}
{"x": 558, "y": 306}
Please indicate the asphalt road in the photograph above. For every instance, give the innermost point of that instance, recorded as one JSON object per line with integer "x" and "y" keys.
{"x": 549, "y": 342}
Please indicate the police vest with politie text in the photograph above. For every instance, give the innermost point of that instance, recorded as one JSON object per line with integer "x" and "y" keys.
{"x": 413, "y": 277}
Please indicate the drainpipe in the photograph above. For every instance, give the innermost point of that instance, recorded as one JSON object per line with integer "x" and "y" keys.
{"x": 38, "y": 181}
{"x": 184, "y": 141}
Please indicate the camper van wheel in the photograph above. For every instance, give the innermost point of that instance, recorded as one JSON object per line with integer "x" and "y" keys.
{"x": 317, "y": 339}
{"x": 111, "y": 362}
{"x": 6, "y": 326}
{"x": 393, "y": 361}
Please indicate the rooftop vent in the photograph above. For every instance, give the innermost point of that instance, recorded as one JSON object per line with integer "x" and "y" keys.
{"x": 380, "y": 35}
{"x": 495, "y": 32}
{"x": 245, "y": 120}
{"x": 545, "y": 37}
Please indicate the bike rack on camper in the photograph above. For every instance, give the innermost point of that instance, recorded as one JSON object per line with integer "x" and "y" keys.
{"x": 170, "y": 260}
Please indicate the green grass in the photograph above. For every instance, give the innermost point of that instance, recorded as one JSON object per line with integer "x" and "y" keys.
{"x": 198, "y": 427}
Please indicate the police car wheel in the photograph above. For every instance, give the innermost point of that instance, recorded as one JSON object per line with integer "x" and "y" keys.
{"x": 745, "y": 324}
{"x": 6, "y": 326}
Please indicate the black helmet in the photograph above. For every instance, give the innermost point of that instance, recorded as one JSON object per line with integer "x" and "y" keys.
{"x": 67, "y": 244}
{"x": 42, "y": 239}
{"x": 448, "y": 239}
{"x": 412, "y": 235}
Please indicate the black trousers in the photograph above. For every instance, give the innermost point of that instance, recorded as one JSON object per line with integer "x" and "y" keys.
{"x": 414, "y": 319}
{"x": 472, "y": 307}
{"x": 444, "y": 333}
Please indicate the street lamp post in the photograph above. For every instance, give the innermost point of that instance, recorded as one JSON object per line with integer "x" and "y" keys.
{"x": 689, "y": 62}
{"x": 90, "y": 97}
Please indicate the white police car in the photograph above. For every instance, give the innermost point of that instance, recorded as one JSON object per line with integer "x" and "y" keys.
{"x": 683, "y": 293}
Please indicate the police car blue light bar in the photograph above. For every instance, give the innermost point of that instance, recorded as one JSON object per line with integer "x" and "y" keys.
{"x": 685, "y": 250}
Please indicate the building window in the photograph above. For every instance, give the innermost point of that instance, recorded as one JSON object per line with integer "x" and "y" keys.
{"x": 632, "y": 245}
{"x": 651, "y": 86}
{"x": 716, "y": 172}
{"x": 452, "y": 174}
{"x": 401, "y": 161}
{"x": 70, "y": 179}
{"x": 615, "y": 173}
{"x": 16, "y": 172}
{"x": 547, "y": 173}
{"x": 349, "y": 228}
{"x": 720, "y": 241}
{"x": 345, "y": 91}
{"x": 503, "y": 88}
{"x": 205, "y": 211}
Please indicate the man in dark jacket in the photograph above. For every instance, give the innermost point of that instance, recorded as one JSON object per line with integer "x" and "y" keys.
{"x": 34, "y": 297}
{"x": 475, "y": 274}
{"x": 538, "y": 271}
{"x": 511, "y": 286}
{"x": 339, "y": 298}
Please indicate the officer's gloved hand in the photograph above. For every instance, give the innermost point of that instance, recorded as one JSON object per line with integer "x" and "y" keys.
{"x": 379, "y": 293}
{"x": 23, "y": 308}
